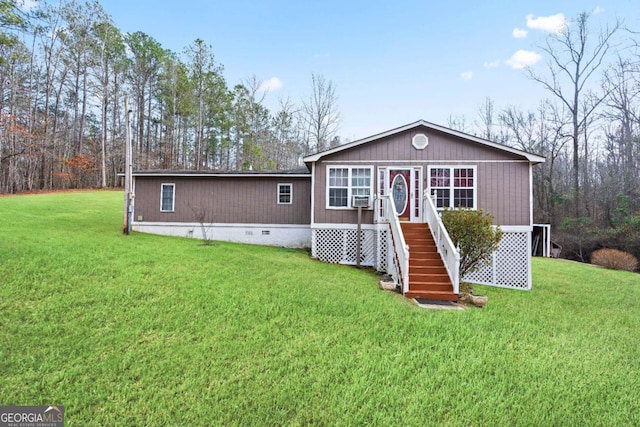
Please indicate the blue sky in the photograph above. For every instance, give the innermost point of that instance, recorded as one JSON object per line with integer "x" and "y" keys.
{"x": 392, "y": 62}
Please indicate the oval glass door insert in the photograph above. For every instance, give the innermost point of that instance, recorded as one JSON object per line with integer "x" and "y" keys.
{"x": 400, "y": 193}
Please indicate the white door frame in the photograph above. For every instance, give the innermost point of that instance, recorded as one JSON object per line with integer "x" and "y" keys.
{"x": 415, "y": 198}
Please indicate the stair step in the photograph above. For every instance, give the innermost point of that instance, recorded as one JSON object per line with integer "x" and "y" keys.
{"x": 430, "y": 286}
{"x": 434, "y": 278}
{"x": 424, "y": 254}
{"x": 418, "y": 256}
{"x": 427, "y": 262}
{"x": 435, "y": 295}
{"x": 421, "y": 242}
{"x": 427, "y": 269}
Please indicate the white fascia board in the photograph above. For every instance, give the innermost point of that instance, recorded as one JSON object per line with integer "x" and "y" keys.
{"x": 516, "y": 228}
{"x": 533, "y": 158}
{"x": 223, "y": 175}
{"x": 342, "y": 226}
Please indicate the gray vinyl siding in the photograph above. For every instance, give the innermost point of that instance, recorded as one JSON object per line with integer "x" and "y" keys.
{"x": 503, "y": 178}
{"x": 230, "y": 200}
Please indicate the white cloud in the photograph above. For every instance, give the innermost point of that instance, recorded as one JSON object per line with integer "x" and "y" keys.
{"x": 552, "y": 24}
{"x": 492, "y": 64}
{"x": 271, "y": 85}
{"x": 522, "y": 59}
{"x": 467, "y": 75}
{"x": 519, "y": 33}
{"x": 598, "y": 10}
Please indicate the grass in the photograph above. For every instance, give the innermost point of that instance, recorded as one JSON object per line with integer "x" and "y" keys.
{"x": 151, "y": 330}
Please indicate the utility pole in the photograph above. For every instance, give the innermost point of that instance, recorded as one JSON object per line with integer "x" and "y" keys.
{"x": 128, "y": 184}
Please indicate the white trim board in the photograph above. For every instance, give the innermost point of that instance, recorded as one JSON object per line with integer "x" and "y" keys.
{"x": 516, "y": 228}
{"x": 392, "y": 162}
{"x": 313, "y": 193}
{"x": 223, "y": 175}
{"x": 530, "y": 194}
{"x": 330, "y": 226}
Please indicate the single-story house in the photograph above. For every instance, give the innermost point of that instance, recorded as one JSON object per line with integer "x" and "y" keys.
{"x": 400, "y": 179}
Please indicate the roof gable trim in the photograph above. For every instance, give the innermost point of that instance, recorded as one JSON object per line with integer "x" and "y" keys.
{"x": 533, "y": 158}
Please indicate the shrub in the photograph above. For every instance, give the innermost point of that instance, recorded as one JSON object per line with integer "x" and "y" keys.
{"x": 579, "y": 235}
{"x": 614, "y": 259}
{"x": 471, "y": 230}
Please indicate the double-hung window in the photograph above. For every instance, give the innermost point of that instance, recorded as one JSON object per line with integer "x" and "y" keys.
{"x": 453, "y": 186}
{"x": 167, "y": 197}
{"x": 346, "y": 181}
{"x": 285, "y": 194}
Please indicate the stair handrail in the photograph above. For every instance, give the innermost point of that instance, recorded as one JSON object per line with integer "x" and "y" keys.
{"x": 400, "y": 247}
{"x": 447, "y": 250}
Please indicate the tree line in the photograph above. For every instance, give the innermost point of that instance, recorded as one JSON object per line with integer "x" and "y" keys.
{"x": 66, "y": 69}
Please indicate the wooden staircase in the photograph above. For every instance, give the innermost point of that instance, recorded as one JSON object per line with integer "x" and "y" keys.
{"x": 428, "y": 276}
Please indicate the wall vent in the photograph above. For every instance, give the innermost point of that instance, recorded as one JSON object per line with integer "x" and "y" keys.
{"x": 420, "y": 141}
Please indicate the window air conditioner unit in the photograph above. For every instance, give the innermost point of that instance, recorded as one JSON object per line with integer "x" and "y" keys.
{"x": 360, "y": 202}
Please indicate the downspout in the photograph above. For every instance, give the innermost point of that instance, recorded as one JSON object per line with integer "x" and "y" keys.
{"x": 530, "y": 194}
{"x": 529, "y": 273}
{"x": 313, "y": 193}
{"x": 313, "y": 208}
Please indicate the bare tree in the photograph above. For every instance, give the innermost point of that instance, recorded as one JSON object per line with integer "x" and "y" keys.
{"x": 541, "y": 132}
{"x": 320, "y": 114}
{"x": 574, "y": 56}
{"x": 622, "y": 111}
{"x": 458, "y": 123}
{"x": 201, "y": 215}
{"x": 486, "y": 119}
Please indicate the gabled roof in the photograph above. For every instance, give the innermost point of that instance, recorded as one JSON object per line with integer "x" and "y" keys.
{"x": 533, "y": 158}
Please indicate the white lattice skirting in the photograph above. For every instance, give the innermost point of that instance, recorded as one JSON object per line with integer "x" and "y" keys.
{"x": 338, "y": 245}
{"x": 510, "y": 266}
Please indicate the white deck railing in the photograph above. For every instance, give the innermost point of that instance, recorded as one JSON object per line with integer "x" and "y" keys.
{"x": 449, "y": 253}
{"x": 386, "y": 213}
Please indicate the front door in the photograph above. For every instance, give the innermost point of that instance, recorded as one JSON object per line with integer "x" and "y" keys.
{"x": 400, "y": 191}
{"x": 404, "y": 186}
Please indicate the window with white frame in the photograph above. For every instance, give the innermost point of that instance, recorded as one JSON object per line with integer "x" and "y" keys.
{"x": 346, "y": 181}
{"x": 285, "y": 194}
{"x": 453, "y": 186}
{"x": 167, "y": 197}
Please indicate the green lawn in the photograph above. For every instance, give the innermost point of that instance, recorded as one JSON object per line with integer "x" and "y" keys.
{"x": 150, "y": 330}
